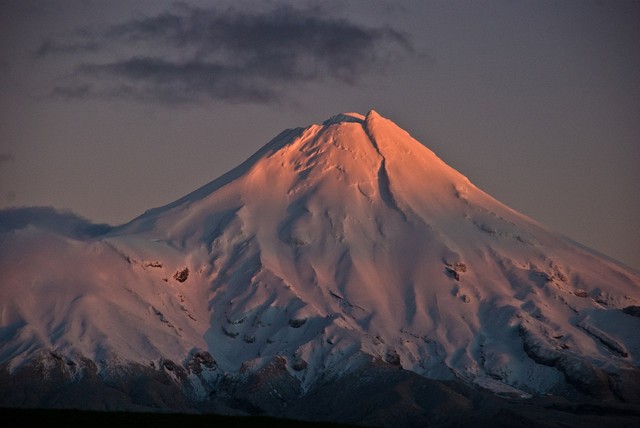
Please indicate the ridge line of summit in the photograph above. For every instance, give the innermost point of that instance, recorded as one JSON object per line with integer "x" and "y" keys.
{"x": 384, "y": 184}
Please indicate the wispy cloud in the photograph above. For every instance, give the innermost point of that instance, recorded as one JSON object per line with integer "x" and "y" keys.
{"x": 190, "y": 54}
{"x": 55, "y": 46}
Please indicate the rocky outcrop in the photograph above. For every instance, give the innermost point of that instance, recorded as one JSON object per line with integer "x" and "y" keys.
{"x": 181, "y": 275}
{"x": 604, "y": 383}
{"x": 634, "y": 311}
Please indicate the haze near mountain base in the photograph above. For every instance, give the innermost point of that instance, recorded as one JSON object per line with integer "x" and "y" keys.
{"x": 336, "y": 250}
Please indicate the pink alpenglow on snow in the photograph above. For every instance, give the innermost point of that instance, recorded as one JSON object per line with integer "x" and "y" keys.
{"x": 334, "y": 246}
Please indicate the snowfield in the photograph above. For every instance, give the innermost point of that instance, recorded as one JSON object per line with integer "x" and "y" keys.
{"x": 335, "y": 247}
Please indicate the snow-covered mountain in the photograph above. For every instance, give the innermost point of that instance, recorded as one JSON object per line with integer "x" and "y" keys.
{"x": 337, "y": 249}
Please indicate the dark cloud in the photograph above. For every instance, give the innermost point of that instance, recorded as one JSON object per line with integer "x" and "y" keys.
{"x": 52, "y": 46}
{"x": 48, "y": 218}
{"x": 175, "y": 81}
{"x": 194, "y": 54}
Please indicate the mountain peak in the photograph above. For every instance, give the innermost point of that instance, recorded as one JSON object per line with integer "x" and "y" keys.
{"x": 344, "y": 117}
{"x": 348, "y": 152}
{"x": 372, "y": 115}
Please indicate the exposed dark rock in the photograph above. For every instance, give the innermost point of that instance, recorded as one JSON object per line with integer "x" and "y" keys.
{"x": 55, "y": 355}
{"x": 181, "y": 275}
{"x": 299, "y": 365}
{"x": 453, "y": 273}
{"x": 460, "y": 267}
{"x": 175, "y": 368}
{"x": 229, "y": 333}
{"x": 297, "y": 323}
{"x": 200, "y": 359}
{"x": 392, "y": 357}
{"x": 634, "y": 311}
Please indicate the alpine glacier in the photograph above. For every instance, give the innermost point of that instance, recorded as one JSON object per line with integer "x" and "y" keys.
{"x": 337, "y": 249}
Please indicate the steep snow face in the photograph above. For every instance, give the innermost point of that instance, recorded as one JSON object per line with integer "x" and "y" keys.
{"x": 334, "y": 244}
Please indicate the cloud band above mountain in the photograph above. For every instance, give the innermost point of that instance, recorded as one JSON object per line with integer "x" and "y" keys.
{"x": 190, "y": 54}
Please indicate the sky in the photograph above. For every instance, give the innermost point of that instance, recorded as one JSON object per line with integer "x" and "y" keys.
{"x": 110, "y": 108}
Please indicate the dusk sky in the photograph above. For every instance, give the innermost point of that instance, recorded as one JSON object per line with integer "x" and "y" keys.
{"x": 110, "y": 108}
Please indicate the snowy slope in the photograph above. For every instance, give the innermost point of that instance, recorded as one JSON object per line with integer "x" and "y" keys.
{"x": 334, "y": 246}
